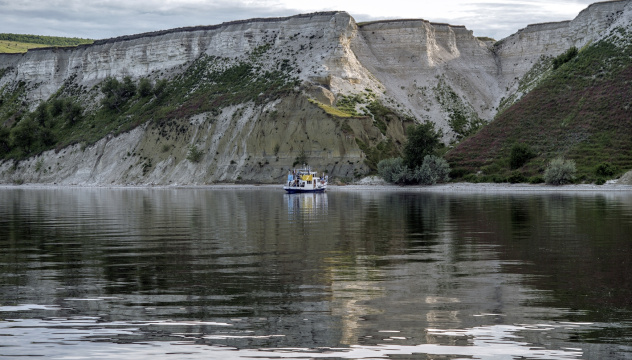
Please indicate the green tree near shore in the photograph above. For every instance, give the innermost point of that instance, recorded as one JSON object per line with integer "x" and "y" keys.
{"x": 420, "y": 164}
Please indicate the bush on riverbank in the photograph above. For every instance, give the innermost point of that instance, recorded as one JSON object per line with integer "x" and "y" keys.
{"x": 433, "y": 170}
{"x": 560, "y": 172}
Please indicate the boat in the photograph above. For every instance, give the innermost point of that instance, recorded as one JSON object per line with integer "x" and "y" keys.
{"x": 305, "y": 181}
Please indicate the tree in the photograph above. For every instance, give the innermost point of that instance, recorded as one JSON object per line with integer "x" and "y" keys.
{"x": 73, "y": 112}
{"x": 433, "y": 170}
{"x": 41, "y": 114}
{"x": 520, "y": 154}
{"x": 145, "y": 87}
{"x": 394, "y": 171}
{"x": 117, "y": 93}
{"x": 5, "y": 141}
{"x": 423, "y": 140}
{"x": 23, "y": 135}
{"x": 565, "y": 57}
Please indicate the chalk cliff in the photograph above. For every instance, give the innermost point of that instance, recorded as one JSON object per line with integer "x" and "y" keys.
{"x": 419, "y": 69}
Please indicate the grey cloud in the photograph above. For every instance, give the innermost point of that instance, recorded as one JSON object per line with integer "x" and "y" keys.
{"x": 116, "y": 18}
{"x": 110, "y": 18}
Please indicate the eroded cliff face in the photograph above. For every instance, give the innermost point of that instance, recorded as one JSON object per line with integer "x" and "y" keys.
{"x": 422, "y": 70}
{"x": 417, "y": 62}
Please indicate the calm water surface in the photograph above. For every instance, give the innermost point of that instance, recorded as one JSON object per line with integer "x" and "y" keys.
{"x": 253, "y": 273}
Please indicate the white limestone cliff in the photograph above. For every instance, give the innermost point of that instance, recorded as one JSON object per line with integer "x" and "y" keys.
{"x": 407, "y": 63}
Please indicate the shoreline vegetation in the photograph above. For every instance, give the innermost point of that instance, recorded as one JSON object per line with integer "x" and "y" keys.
{"x": 458, "y": 187}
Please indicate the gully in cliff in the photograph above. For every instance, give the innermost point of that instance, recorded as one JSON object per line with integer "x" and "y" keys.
{"x": 305, "y": 180}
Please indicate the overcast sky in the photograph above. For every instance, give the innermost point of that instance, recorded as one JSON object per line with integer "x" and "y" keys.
{"x": 99, "y": 19}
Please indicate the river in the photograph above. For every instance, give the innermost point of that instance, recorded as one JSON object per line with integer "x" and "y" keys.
{"x": 251, "y": 272}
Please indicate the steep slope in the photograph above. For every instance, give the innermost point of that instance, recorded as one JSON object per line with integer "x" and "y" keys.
{"x": 253, "y": 98}
{"x": 525, "y": 55}
{"x": 238, "y": 93}
{"x": 581, "y": 111}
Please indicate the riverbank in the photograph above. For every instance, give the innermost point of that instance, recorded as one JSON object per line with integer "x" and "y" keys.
{"x": 363, "y": 186}
{"x": 489, "y": 187}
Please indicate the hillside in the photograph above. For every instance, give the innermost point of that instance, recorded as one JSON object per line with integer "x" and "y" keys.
{"x": 248, "y": 100}
{"x": 581, "y": 110}
{"x": 19, "y": 43}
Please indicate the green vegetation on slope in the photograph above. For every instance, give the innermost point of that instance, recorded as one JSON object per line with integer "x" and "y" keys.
{"x": 69, "y": 116}
{"x": 581, "y": 111}
{"x": 31, "y": 41}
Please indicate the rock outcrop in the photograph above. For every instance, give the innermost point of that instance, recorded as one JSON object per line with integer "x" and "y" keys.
{"x": 423, "y": 70}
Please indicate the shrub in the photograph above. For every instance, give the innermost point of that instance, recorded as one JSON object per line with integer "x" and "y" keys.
{"x": 536, "y": 180}
{"x": 145, "y": 87}
{"x": 73, "y": 112}
{"x": 393, "y": 170}
{"x": 516, "y": 177}
{"x": 606, "y": 170}
{"x": 460, "y": 172}
{"x": 434, "y": 169}
{"x": 5, "y": 140}
{"x": 565, "y": 57}
{"x": 194, "y": 155}
{"x": 520, "y": 154}
{"x": 159, "y": 88}
{"x": 560, "y": 171}
{"x": 116, "y": 92}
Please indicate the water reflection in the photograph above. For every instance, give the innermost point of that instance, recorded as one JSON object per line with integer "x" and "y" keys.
{"x": 344, "y": 274}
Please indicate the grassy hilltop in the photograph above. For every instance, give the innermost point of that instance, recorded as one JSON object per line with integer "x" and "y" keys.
{"x": 19, "y": 43}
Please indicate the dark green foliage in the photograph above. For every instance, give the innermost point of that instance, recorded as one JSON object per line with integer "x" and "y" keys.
{"x": 63, "y": 109}
{"x": 45, "y": 40}
{"x": 73, "y": 112}
{"x": 159, "y": 87}
{"x": 423, "y": 140}
{"x": 194, "y": 155}
{"x": 517, "y": 177}
{"x": 5, "y": 140}
{"x": 117, "y": 93}
{"x": 536, "y": 180}
{"x": 606, "y": 170}
{"x": 23, "y": 134}
{"x": 29, "y": 136}
{"x": 520, "y": 154}
{"x": 565, "y": 57}
{"x": 42, "y": 114}
{"x": 145, "y": 88}
{"x": 56, "y": 107}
